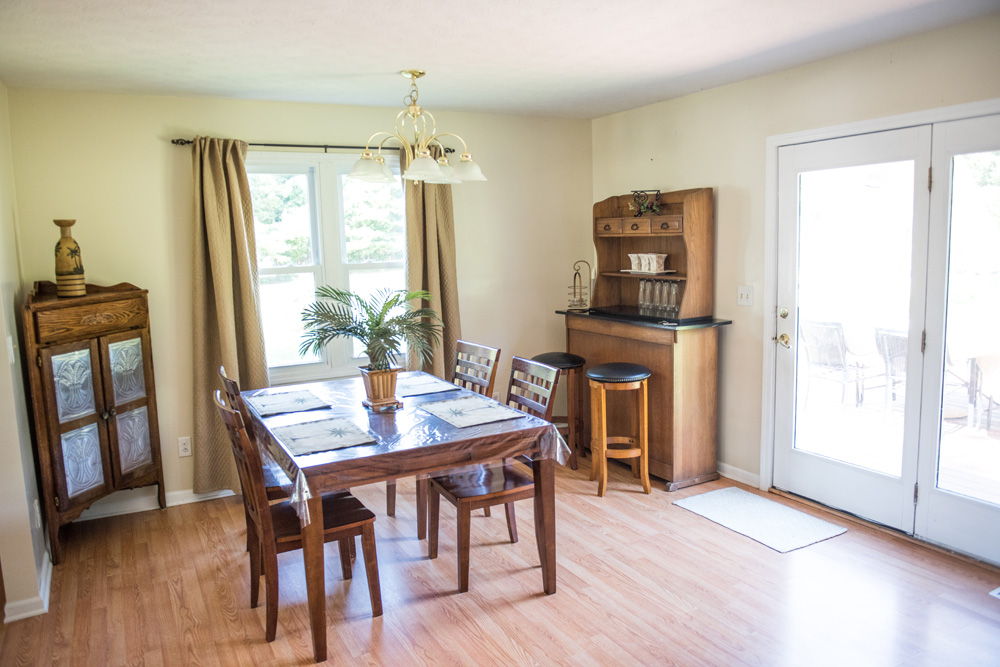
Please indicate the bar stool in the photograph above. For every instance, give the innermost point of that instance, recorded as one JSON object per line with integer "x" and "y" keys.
{"x": 569, "y": 365}
{"x": 617, "y": 377}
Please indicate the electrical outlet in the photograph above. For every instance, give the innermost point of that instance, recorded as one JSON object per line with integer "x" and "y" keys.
{"x": 38, "y": 515}
{"x": 184, "y": 446}
{"x": 744, "y": 295}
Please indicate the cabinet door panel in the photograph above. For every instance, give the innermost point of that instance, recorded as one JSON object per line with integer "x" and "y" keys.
{"x": 73, "y": 378}
{"x": 133, "y": 434}
{"x": 134, "y": 448}
{"x": 77, "y": 436}
{"x": 127, "y": 377}
{"x": 82, "y": 460}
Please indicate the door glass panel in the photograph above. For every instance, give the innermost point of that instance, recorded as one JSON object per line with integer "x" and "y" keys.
{"x": 81, "y": 450}
{"x": 127, "y": 374}
{"x": 855, "y": 244}
{"x": 969, "y": 453}
{"x": 74, "y": 383}
{"x": 133, "y": 439}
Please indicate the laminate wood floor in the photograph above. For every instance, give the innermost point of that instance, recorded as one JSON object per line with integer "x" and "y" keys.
{"x": 640, "y": 582}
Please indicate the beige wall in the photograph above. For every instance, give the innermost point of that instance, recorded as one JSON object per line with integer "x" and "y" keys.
{"x": 106, "y": 160}
{"x": 716, "y": 138}
{"x": 22, "y": 545}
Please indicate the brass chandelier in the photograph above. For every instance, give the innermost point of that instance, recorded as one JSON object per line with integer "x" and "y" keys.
{"x": 423, "y": 136}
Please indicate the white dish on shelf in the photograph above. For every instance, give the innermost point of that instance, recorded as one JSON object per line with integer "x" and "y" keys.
{"x": 649, "y": 273}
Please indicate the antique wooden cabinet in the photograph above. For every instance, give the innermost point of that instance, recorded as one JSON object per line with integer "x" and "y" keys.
{"x": 93, "y": 398}
{"x": 681, "y": 349}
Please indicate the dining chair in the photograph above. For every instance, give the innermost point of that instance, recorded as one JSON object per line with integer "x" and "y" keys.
{"x": 475, "y": 369}
{"x": 829, "y": 359}
{"x": 531, "y": 389}
{"x": 274, "y": 481}
{"x": 891, "y": 346}
{"x": 275, "y": 528}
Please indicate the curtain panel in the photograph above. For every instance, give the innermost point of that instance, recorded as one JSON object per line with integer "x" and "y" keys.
{"x": 227, "y": 323}
{"x": 430, "y": 264}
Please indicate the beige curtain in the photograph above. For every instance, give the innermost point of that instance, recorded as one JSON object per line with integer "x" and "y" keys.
{"x": 430, "y": 263}
{"x": 227, "y": 327}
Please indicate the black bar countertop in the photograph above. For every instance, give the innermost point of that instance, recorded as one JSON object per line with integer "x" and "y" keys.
{"x": 632, "y": 315}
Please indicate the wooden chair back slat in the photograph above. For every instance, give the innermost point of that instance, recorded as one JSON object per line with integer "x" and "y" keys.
{"x": 235, "y": 399}
{"x": 248, "y": 465}
{"x": 532, "y": 387}
{"x": 475, "y": 367}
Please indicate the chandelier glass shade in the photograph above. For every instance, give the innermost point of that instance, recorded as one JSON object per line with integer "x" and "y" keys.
{"x": 416, "y": 133}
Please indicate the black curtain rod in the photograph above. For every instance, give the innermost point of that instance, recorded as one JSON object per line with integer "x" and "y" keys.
{"x": 186, "y": 142}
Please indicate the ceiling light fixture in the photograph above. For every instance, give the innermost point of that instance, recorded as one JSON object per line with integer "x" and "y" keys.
{"x": 422, "y": 167}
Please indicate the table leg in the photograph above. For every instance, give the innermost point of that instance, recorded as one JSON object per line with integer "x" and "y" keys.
{"x": 422, "y": 485}
{"x": 312, "y": 553}
{"x": 545, "y": 520}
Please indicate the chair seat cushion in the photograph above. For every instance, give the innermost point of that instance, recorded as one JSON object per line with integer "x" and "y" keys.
{"x": 483, "y": 480}
{"x": 340, "y": 509}
{"x": 563, "y": 360}
{"x": 618, "y": 372}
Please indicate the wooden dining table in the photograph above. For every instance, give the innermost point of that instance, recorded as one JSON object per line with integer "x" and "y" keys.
{"x": 406, "y": 442}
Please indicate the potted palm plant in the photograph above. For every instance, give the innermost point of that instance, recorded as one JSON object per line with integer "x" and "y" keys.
{"x": 383, "y": 323}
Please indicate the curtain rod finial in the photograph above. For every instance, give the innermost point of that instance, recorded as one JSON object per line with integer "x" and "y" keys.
{"x": 181, "y": 142}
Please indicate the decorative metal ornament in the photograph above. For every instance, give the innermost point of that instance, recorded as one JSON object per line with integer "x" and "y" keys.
{"x": 645, "y": 201}
{"x": 579, "y": 291}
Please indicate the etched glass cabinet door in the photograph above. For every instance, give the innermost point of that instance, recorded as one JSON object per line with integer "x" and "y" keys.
{"x": 128, "y": 384}
{"x": 71, "y": 375}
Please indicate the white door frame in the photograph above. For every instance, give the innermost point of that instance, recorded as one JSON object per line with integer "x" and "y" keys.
{"x": 773, "y": 143}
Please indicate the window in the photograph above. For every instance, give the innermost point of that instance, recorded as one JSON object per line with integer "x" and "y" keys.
{"x": 314, "y": 226}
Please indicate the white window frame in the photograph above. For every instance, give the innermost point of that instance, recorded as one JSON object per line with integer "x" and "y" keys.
{"x": 330, "y": 266}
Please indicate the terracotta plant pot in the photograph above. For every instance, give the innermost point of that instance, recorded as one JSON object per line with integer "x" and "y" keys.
{"x": 380, "y": 386}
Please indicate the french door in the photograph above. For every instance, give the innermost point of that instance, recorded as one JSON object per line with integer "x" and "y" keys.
{"x": 888, "y": 290}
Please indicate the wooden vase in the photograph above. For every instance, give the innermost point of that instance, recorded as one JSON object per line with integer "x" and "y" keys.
{"x": 70, "y": 280}
{"x": 380, "y": 387}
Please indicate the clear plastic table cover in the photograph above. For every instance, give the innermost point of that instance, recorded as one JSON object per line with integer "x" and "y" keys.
{"x": 401, "y": 431}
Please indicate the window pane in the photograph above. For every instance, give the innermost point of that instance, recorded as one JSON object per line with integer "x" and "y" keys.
{"x": 374, "y": 221}
{"x": 282, "y": 299}
{"x": 365, "y": 283}
{"x": 282, "y": 220}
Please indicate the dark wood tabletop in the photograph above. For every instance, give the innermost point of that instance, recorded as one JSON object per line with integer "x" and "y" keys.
{"x": 407, "y": 442}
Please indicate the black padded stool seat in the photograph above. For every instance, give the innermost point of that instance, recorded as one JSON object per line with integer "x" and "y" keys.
{"x": 560, "y": 360}
{"x": 618, "y": 372}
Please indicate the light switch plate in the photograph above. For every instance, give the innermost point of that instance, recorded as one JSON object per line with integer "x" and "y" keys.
{"x": 744, "y": 295}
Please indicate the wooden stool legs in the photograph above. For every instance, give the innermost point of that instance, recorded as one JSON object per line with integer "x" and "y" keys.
{"x": 600, "y": 440}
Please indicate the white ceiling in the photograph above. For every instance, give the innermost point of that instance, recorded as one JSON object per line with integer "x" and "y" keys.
{"x": 578, "y": 58}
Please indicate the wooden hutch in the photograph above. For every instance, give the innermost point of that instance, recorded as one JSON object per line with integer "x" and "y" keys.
{"x": 681, "y": 350}
{"x": 93, "y": 398}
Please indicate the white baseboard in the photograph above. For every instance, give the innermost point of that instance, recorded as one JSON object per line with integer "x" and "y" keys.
{"x": 144, "y": 499}
{"x": 16, "y": 610}
{"x": 739, "y": 475}
{"x": 189, "y": 496}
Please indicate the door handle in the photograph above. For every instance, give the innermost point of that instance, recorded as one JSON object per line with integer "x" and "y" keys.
{"x": 784, "y": 340}
{"x": 782, "y": 313}
{"x": 635, "y": 226}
